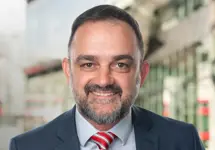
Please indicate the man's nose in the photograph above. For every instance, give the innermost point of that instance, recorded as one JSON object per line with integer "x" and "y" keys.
{"x": 104, "y": 77}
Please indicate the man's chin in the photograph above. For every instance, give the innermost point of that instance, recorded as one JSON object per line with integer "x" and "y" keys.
{"x": 105, "y": 117}
{"x": 102, "y": 108}
{"x": 105, "y": 107}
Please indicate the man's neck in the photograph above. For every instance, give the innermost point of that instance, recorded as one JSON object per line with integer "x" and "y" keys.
{"x": 102, "y": 127}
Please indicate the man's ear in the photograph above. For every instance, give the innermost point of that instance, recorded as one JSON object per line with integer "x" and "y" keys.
{"x": 66, "y": 69}
{"x": 144, "y": 70}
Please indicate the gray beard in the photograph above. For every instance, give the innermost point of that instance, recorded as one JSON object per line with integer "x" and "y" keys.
{"x": 87, "y": 111}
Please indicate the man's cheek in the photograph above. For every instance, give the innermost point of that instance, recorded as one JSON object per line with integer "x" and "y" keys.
{"x": 130, "y": 87}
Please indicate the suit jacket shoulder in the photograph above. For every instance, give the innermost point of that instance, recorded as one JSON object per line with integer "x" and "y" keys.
{"x": 44, "y": 137}
{"x": 175, "y": 134}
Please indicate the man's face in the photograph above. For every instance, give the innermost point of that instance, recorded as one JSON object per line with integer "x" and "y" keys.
{"x": 106, "y": 70}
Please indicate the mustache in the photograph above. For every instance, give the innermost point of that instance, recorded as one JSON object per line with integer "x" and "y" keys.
{"x": 114, "y": 88}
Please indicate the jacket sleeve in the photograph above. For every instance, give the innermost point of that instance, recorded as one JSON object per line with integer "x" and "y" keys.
{"x": 12, "y": 145}
{"x": 197, "y": 143}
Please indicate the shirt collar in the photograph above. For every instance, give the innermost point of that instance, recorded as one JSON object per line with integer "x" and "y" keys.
{"x": 123, "y": 129}
{"x": 85, "y": 130}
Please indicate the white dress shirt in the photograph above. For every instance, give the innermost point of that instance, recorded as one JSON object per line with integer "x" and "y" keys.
{"x": 123, "y": 130}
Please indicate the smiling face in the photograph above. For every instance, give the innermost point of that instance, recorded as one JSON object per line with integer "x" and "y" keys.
{"x": 105, "y": 71}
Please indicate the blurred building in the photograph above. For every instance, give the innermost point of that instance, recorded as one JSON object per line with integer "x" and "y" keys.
{"x": 12, "y": 55}
{"x": 179, "y": 45}
{"x": 44, "y": 93}
{"x": 179, "y": 41}
{"x": 12, "y": 77}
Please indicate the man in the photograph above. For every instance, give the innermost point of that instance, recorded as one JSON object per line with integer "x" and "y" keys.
{"x": 105, "y": 69}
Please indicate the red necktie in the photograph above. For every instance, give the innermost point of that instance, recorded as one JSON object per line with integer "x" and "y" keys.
{"x": 103, "y": 139}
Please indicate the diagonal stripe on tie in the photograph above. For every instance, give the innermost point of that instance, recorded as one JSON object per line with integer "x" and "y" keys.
{"x": 106, "y": 136}
{"x": 103, "y": 139}
{"x": 99, "y": 141}
{"x": 111, "y": 134}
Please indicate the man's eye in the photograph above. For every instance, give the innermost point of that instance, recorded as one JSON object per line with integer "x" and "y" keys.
{"x": 87, "y": 65}
{"x": 122, "y": 65}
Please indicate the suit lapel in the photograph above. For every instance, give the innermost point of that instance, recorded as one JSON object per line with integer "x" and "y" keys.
{"x": 145, "y": 138}
{"x": 67, "y": 133}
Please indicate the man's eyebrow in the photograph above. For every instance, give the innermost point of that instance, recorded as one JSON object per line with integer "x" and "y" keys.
{"x": 85, "y": 57}
{"x": 120, "y": 57}
{"x": 93, "y": 58}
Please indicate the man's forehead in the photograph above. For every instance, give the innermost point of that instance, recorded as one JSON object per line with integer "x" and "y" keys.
{"x": 105, "y": 54}
{"x": 90, "y": 28}
{"x": 100, "y": 43}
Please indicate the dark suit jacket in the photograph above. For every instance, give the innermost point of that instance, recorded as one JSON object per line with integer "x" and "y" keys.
{"x": 152, "y": 132}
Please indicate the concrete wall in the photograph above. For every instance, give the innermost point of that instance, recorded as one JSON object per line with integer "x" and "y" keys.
{"x": 12, "y": 55}
{"x": 49, "y": 24}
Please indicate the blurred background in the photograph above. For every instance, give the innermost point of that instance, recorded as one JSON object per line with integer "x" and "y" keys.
{"x": 179, "y": 38}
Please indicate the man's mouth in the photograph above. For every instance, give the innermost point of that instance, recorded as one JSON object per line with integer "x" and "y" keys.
{"x": 107, "y": 94}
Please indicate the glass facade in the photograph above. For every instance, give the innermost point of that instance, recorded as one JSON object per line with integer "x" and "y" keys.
{"x": 179, "y": 85}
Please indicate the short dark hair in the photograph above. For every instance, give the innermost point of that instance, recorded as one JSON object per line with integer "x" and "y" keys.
{"x": 106, "y": 12}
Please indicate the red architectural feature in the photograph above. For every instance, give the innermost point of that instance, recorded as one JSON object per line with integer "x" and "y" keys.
{"x": 205, "y": 136}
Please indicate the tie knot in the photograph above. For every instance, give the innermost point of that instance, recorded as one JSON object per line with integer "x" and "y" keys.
{"x": 103, "y": 139}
